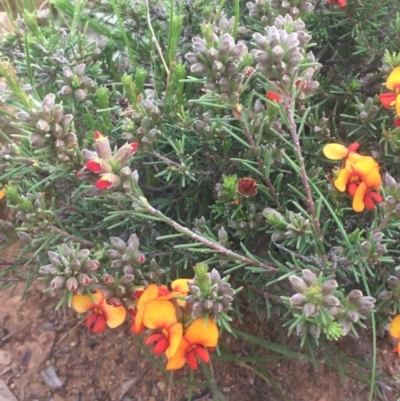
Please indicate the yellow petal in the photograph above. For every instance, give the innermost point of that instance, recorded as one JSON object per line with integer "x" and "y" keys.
{"x": 358, "y": 200}
{"x": 178, "y": 360}
{"x": 180, "y": 285}
{"x": 115, "y": 315}
{"x": 159, "y": 314}
{"x": 343, "y": 178}
{"x": 83, "y": 303}
{"x": 393, "y": 79}
{"x": 335, "y": 151}
{"x": 394, "y": 328}
{"x": 175, "y": 333}
{"x": 373, "y": 179}
{"x": 150, "y": 293}
{"x": 203, "y": 333}
{"x": 2, "y": 194}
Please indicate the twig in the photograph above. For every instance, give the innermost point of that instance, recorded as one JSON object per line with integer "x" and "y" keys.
{"x": 69, "y": 331}
{"x": 142, "y": 202}
{"x": 14, "y": 332}
{"x": 169, "y": 394}
{"x": 153, "y": 36}
{"x": 58, "y": 231}
{"x": 304, "y": 177}
{"x": 260, "y": 163}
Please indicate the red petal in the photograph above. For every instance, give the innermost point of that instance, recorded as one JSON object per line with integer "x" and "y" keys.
{"x": 161, "y": 346}
{"x": 352, "y": 188}
{"x": 387, "y": 99}
{"x": 96, "y": 323}
{"x": 273, "y": 96}
{"x": 371, "y": 199}
{"x": 353, "y": 147}
{"x": 396, "y": 349}
{"x": 191, "y": 360}
{"x": 154, "y": 338}
{"x": 97, "y": 135}
{"x": 94, "y": 166}
{"x": 133, "y": 146}
{"x": 397, "y": 122}
{"x": 103, "y": 184}
{"x": 202, "y": 353}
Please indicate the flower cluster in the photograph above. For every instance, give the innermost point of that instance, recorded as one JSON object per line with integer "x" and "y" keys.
{"x": 103, "y": 168}
{"x": 50, "y": 126}
{"x": 391, "y": 100}
{"x": 359, "y": 175}
{"x": 182, "y": 321}
{"x": 75, "y": 83}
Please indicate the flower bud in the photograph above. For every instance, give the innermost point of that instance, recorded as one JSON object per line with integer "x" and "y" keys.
{"x": 125, "y": 152}
{"x": 72, "y": 284}
{"x": 83, "y": 279}
{"x": 298, "y": 300}
{"x": 57, "y": 282}
{"x": 298, "y": 284}
{"x": 310, "y": 310}
{"x": 102, "y": 145}
{"x": 328, "y": 287}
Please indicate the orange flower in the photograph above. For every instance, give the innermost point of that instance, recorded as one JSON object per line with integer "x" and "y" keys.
{"x": 102, "y": 314}
{"x": 394, "y": 330}
{"x": 341, "y": 3}
{"x": 359, "y": 179}
{"x": 247, "y": 186}
{"x": 273, "y": 96}
{"x": 107, "y": 181}
{"x": 199, "y": 337}
{"x": 161, "y": 315}
{"x": 153, "y": 292}
{"x": 389, "y": 99}
{"x": 336, "y": 151}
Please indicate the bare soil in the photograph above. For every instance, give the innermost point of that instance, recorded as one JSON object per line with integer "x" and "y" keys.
{"x": 112, "y": 366}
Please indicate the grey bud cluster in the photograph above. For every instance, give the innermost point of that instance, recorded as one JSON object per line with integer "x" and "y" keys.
{"x": 141, "y": 123}
{"x": 322, "y": 128}
{"x": 294, "y": 8}
{"x": 219, "y": 59}
{"x": 298, "y": 225}
{"x": 372, "y": 248}
{"x": 393, "y": 293}
{"x": 206, "y": 129}
{"x": 75, "y": 83}
{"x": 128, "y": 260}
{"x": 279, "y": 54}
{"x": 70, "y": 269}
{"x": 312, "y": 295}
{"x": 247, "y": 227}
{"x": 367, "y": 111}
{"x": 32, "y": 212}
{"x": 392, "y": 201}
{"x": 352, "y": 309}
{"x": 50, "y": 127}
{"x": 210, "y": 298}
{"x": 261, "y": 11}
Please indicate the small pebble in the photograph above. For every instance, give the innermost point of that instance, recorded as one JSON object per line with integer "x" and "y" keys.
{"x": 161, "y": 386}
{"x": 50, "y": 377}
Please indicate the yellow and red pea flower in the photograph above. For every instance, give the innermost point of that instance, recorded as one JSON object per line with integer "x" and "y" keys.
{"x": 336, "y": 151}
{"x": 360, "y": 179}
{"x": 392, "y": 99}
{"x": 102, "y": 314}
{"x": 107, "y": 181}
{"x": 200, "y": 337}
{"x": 161, "y": 314}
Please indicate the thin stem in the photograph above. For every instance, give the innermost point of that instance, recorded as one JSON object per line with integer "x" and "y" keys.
{"x": 304, "y": 177}
{"x": 73, "y": 238}
{"x": 142, "y": 203}
{"x": 260, "y": 163}
{"x": 153, "y": 37}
